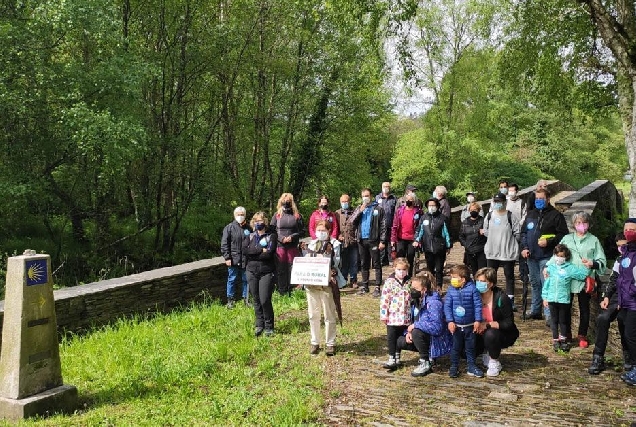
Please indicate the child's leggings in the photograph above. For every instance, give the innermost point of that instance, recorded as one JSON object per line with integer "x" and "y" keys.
{"x": 559, "y": 318}
{"x": 392, "y": 335}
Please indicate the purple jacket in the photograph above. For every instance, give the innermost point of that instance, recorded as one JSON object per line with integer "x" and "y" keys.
{"x": 430, "y": 315}
{"x": 625, "y": 286}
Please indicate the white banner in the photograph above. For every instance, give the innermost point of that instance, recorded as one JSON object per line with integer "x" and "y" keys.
{"x": 311, "y": 271}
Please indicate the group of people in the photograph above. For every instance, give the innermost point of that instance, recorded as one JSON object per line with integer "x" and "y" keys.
{"x": 474, "y": 316}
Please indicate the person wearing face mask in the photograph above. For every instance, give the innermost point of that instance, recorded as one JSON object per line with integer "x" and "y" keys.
{"x": 433, "y": 239}
{"x": 323, "y": 213}
{"x": 260, "y": 249}
{"x": 324, "y": 300}
{"x": 349, "y": 243}
{"x": 607, "y": 314}
{"x": 232, "y": 252}
{"x": 517, "y": 207}
{"x": 405, "y": 223}
{"x": 389, "y": 203}
{"x": 409, "y": 189}
{"x": 471, "y": 237}
{"x": 395, "y": 310}
{"x": 542, "y": 229}
{"x": 289, "y": 227}
{"x": 498, "y": 329}
{"x": 542, "y": 184}
{"x": 502, "y": 247}
{"x": 503, "y": 187}
{"x": 586, "y": 251}
{"x": 463, "y": 311}
{"x": 626, "y": 271}
{"x": 428, "y": 334}
{"x": 470, "y": 199}
{"x": 556, "y": 293}
{"x": 372, "y": 234}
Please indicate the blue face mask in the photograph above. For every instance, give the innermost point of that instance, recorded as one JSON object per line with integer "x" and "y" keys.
{"x": 539, "y": 203}
{"x": 259, "y": 226}
{"x": 497, "y": 206}
{"x": 344, "y": 205}
{"x": 482, "y": 287}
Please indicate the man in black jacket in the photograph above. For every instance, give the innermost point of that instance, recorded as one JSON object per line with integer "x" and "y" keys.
{"x": 232, "y": 251}
{"x": 542, "y": 230}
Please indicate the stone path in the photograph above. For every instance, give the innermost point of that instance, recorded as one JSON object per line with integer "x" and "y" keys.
{"x": 536, "y": 387}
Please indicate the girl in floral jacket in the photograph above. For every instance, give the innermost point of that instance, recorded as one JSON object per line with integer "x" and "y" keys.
{"x": 395, "y": 309}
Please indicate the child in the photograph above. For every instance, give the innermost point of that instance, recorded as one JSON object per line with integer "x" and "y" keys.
{"x": 556, "y": 293}
{"x": 463, "y": 311}
{"x": 395, "y": 310}
{"x": 428, "y": 327}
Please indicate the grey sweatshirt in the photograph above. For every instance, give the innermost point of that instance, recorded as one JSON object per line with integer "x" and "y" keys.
{"x": 503, "y": 239}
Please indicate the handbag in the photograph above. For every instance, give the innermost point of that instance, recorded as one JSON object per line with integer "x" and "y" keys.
{"x": 590, "y": 285}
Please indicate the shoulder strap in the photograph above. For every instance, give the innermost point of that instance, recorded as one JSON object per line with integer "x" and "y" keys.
{"x": 509, "y": 218}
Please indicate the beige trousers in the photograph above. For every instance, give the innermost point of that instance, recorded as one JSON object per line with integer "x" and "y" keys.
{"x": 320, "y": 300}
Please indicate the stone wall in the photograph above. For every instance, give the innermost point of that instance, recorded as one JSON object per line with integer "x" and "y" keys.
{"x": 83, "y": 307}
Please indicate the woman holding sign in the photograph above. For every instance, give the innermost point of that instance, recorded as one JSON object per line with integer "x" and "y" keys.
{"x": 260, "y": 249}
{"x": 324, "y": 299}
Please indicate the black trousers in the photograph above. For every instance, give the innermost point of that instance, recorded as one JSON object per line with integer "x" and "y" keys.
{"x": 406, "y": 249}
{"x": 435, "y": 264}
{"x": 584, "y": 313}
{"x": 628, "y": 318}
{"x": 559, "y": 317}
{"x": 509, "y": 273}
{"x": 369, "y": 252}
{"x": 392, "y": 335}
{"x": 492, "y": 341}
{"x": 421, "y": 343}
{"x": 262, "y": 287}
{"x": 603, "y": 322}
{"x": 475, "y": 261}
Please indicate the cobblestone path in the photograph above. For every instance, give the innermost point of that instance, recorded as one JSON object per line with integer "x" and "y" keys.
{"x": 536, "y": 386}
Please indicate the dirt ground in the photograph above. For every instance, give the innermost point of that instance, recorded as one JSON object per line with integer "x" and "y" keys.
{"x": 536, "y": 387}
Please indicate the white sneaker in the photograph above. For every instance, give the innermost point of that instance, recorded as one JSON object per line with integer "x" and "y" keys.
{"x": 494, "y": 367}
{"x": 485, "y": 359}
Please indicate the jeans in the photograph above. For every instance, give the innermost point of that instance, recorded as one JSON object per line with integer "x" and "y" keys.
{"x": 463, "y": 338}
{"x": 349, "y": 258}
{"x": 603, "y": 322}
{"x": 262, "y": 288}
{"x": 233, "y": 273}
{"x": 535, "y": 268}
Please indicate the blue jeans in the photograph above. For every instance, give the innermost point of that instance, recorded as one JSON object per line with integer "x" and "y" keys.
{"x": 535, "y": 269}
{"x": 463, "y": 339}
{"x": 232, "y": 277}
{"x": 349, "y": 257}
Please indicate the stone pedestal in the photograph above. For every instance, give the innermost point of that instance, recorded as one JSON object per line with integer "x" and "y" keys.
{"x": 30, "y": 370}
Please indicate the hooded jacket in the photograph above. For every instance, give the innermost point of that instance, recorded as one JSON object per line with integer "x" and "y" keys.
{"x": 542, "y": 222}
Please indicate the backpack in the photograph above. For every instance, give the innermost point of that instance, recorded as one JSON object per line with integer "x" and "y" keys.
{"x": 488, "y": 215}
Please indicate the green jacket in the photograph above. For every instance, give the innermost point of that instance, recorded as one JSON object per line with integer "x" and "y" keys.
{"x": 558, "y": 285}
{"x": 588, "y": 247}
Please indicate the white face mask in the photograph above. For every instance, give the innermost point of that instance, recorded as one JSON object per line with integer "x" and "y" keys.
{"x": 432, "y": 209}
{"x": 470, "y": 199}
{"x": 385, "y": 190}
{"x": 322, "y": 235}
{"x": 559, "y": 260}
{"x": 240, "y": 219}
{"x": 400, "y": 274}
{"x": 512, "y": 194}
{"x": 366, "y": 199}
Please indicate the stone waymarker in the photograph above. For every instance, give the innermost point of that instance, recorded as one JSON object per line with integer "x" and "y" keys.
{"x": 30, "y": 370}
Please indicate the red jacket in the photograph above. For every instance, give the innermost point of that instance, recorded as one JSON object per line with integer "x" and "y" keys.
{"x": 316, "y": 216}
{"x": 397, "y": 221}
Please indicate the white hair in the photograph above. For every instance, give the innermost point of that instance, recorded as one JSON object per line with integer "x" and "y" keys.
{"x": 440, "y": 190}
{"x": 239, "y": 209}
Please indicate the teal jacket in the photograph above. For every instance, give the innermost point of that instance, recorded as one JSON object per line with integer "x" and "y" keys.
{"x": 558, "y": 285}
{"x": 587, "y": 247}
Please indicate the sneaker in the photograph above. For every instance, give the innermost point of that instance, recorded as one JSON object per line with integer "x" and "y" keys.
{"x": 453, "y": 372}
{"x": 363, "y": 290}
{"x": 630, "y": 377}
{"x": 583, "y": 342}
{"x": 423, "y": 369}
{"x": 485, "y": 359}
{"x": 354, "y": 284}
{"x": 258, "y": 331}
{"x": 474, "y": 371}
{"x": 247, "y": 302}
{"x": 564, "y": 346}
{"x": 314, "y": 349}
{"x": 556, "y": 346}
{"x": 269, "y": 332}
{"x": 390, "y": 364}
{"x": 533, "y": 316}
{"x": 597, "y": 366}
{"x": 376, "y": 292}
{"x": 330, "y": 350}
{"x": 494, "y": 368}
{"x": 230, "y": 304}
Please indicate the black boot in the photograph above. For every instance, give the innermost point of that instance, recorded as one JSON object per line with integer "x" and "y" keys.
{"x": 597, "y": 366}
{"x": 627, "y": 363}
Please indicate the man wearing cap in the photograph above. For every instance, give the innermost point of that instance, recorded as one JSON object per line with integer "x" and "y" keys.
{"x": 470, "y": 198}
{"x": 388, "y": 202}
{"x": 627, "y": 297}
{"x": 542, "y": 230}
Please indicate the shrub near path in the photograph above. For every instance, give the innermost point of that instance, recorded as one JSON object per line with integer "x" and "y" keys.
{"x": 537, "y": 386}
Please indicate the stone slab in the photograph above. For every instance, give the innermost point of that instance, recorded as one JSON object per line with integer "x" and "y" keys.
{"x": 58, "y": 399}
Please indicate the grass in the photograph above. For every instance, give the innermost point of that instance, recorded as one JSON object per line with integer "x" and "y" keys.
{"x": 201, "y": 366}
